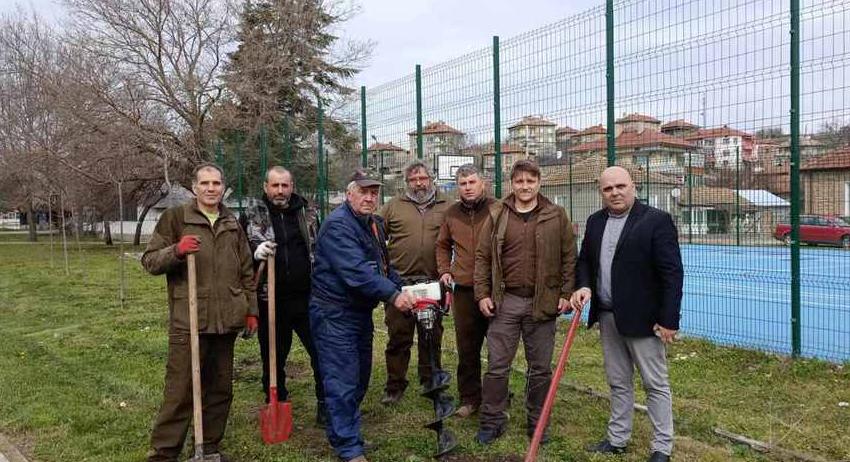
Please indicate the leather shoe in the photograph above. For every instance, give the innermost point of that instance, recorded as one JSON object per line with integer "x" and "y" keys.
{"x": 391, "y": 397}
{"x": 605, "y": 447}
{"x": 358, "y": 459}
{"x": 658, "y": 457}
{"x": 489, "y": 435}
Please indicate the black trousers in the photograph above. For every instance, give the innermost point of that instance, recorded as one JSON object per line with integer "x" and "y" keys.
{"x": 291, "y": 316}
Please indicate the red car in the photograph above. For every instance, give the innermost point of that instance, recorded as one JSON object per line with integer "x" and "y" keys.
{"x": 816, "y": 229}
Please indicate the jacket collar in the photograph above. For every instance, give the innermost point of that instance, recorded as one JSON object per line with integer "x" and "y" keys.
{"x": 545, "y": 208}
{"x": 193, "y": 215}
{"x": 438, "y": 198}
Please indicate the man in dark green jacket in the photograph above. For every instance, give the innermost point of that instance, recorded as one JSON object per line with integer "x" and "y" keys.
{"x": 226, "y": 305}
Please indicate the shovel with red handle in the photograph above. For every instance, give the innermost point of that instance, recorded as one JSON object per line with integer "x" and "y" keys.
{"x": 276, "y": 417}
{"x": 531, "y": 456}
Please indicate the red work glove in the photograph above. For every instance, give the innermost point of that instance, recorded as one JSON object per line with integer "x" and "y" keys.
{"x": 188, "y": 244}
{"x": 251, "y": 324}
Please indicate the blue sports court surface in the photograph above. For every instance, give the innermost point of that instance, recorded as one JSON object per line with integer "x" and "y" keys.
{"x": 742, "y": 296}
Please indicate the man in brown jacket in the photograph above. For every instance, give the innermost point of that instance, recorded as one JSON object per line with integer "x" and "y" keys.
{"x": 524, "y": 277}
{"x": 412, "y": 222}
{"x": 226, "y": 304}
{"x": 459, "y": 237}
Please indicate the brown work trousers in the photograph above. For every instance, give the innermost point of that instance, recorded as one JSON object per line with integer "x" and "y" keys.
{"x": 175, "y": 415}
{"x": 514, "y": 320}
{"x": 470, "y": 330}
{"x": 401, "y": 327}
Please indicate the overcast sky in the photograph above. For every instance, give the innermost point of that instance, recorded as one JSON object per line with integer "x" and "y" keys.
{"x": 423, "y": 32}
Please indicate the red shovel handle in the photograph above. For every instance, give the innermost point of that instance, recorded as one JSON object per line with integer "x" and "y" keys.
{"x": 531, "y": 456}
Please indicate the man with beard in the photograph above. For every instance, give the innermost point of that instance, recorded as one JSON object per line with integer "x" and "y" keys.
{"x": 283, "y": 226}
{"x": 459, "y": 237}
{"x": 524, "y": 276}
{"x": 413, "y": 221}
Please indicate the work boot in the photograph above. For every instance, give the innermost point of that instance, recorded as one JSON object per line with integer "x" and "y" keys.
{"x": 658, "y": 457}
{"x": 391, "y": 397}
{"x": 489, "y": 435}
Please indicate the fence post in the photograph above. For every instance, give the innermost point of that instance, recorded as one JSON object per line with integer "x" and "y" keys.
{"x": 383, "y": 188}
{"x": 363, "y": 149}
{"x": 795, "y": 179}
{"x": 609, "y": 79}
{"x": 320, "y": 160}
{"x": 690, "y": 199}
{"x": 497, "y": 120}
{"x": 418, "y": 111}
{"x": 738, "y": 196}
{"x": 570, "y": 161}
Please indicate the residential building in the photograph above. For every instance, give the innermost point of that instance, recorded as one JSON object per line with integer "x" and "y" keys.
{"x": 535, "y": 135}
{"x": 723, "y": 147}
{"x": 565, "y": 139}
{"x": 679, "y": 128}
{"x": 648, "y": 149}
{"x": 438, "y": 138}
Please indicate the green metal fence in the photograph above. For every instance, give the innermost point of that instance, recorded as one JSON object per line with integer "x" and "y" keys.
{"x": 731, "y": 115}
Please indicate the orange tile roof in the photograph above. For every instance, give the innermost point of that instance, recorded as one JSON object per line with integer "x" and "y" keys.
{"x": 725, "y": 130}
{"x": 565, "y": 130}
{"x": 384, "y": 147}
{"x": 594, "y": 130}
{"x": 678, "y": 123}
{"x": 588, "y": 171}
{"x": 631, "y": 139}
{"x": 833, "y": 160}
{"x": 635, "y": 117}
{"x": 437, "y": 127}
{"x": 533, "y": 121}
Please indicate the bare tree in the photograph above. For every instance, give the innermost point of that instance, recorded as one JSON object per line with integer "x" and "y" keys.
{"x": 169, "y": 53}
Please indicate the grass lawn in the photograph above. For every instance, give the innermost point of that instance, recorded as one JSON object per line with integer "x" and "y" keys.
{"x": 82, "y": 379}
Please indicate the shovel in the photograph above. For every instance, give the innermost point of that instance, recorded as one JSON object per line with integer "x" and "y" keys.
{"x": 197, "y": 413}
{"x": 531, "y": 456}
{"x": 276, "y": 417}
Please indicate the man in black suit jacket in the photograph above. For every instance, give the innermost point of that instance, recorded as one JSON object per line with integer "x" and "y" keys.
{"x": 631, "y": 264}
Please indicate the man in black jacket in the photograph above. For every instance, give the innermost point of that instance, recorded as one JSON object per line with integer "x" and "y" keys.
{"x": 630, "y": 262}
{"x": 284, "y": 226}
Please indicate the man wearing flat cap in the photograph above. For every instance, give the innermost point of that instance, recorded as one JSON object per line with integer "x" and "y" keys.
{"x": 351, "y": 274}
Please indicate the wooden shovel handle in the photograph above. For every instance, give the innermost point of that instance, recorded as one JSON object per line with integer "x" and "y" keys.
{"x": 272, "y": 337}
{"x": 194, "y": 345}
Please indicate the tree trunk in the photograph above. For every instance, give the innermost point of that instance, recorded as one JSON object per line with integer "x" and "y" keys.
{"x": 137, "y": 239}
{"x": 107, "y": 232}
{"x": 31, "y": 223}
